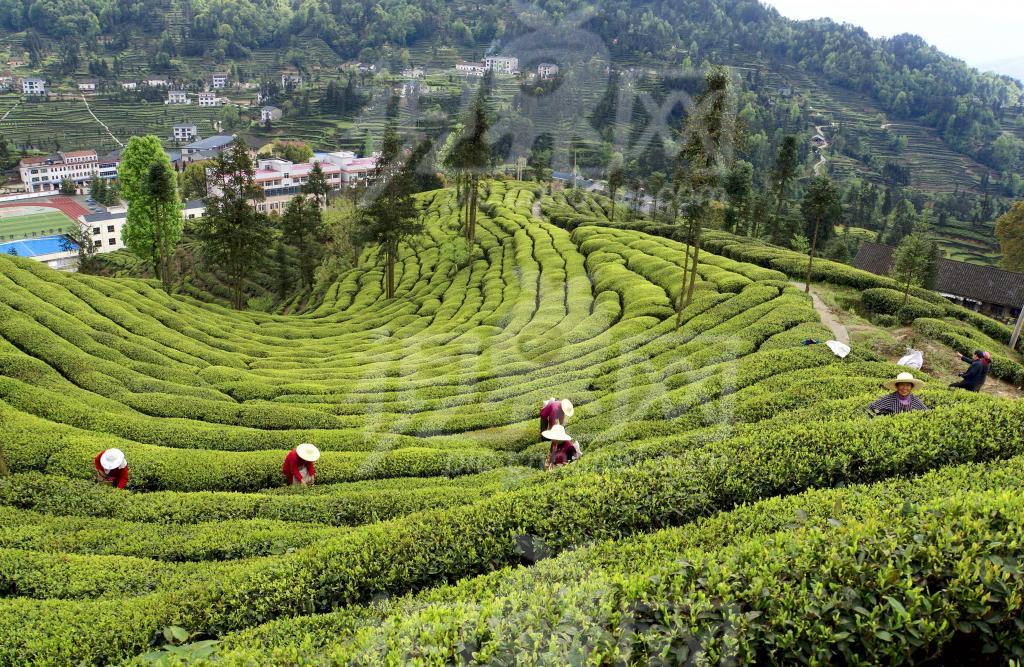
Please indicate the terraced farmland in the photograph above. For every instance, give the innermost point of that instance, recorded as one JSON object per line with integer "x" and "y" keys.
{"x": 733, "y": 503}
{"x": 68, "y": 123}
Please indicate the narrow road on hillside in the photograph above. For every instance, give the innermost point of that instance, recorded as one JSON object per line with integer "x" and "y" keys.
{"x": 4, "y": 117}
{"x": 828, "y": 318}
{"x": 89, "y": 109}
{"x": 819, "y": 129}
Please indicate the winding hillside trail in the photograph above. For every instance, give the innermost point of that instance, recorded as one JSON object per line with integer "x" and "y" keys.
{"x": 819, "y": 129}
{"x": 4, "y": 117}
{"x": 104, "y": 125}
{"x": 828, "y": 317}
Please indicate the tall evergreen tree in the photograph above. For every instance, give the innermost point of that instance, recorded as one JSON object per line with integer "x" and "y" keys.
{"x": 302, "y": 226}
{"x": 316, "y": 185}
{"x": 161, "y": 190}
{"x": 235, "y": 236}
{"x": 616, "y": 177}
{"x": 706, "y": 153}
{"x": 822, "y": 209}
{"x": 470, "y": 157}
{"x": 783, "y": 174}
{"x": 140, "y": 234}
{"x": 389, "y": 218}
{"x": 913, "y": 262}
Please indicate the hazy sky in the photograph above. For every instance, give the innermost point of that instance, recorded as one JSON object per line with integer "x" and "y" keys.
{"x": 980, "y": 32}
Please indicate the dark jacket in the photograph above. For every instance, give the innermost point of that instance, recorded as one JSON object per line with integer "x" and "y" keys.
{"x": 975, "y": 375}
{"x": 890, "y": 405}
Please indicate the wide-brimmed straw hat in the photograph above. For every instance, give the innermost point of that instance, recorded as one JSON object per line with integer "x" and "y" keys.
{"x": 113, "y": 459}
{"x": 556, "y": 432}
{"x": 567, "y": 408}
{"x": 903, "y": 378}
{"x": 308, "y": 452}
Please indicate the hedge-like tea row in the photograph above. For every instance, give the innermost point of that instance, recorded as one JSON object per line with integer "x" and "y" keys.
{"x": 897, "y": 588}
{"x": 206, "y": 541}
{"x": 574, "y": 507}
{"x": 965, "y": 341}
{"x": 314, "y": 637}
{"x": 882, "y": 300}
{"x": 331, "y": 506}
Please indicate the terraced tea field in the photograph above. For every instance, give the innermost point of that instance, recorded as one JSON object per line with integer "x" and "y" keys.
{"x": 733, "y": 503}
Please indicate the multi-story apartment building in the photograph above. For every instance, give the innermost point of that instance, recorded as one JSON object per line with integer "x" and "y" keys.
{"x": 45, "y": 174}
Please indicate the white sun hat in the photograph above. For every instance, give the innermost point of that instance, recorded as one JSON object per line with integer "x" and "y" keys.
{"x": 556, "y": 432}
{"x": 903, "y": 378}
{"x": 113, "y": 459}
{"x": 308, "y": 452}
{"x": 567, "y": 408}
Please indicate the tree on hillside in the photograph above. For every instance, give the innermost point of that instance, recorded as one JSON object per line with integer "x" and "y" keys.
{"x": 161, "y": 192}
{"x": 1010, "y": 232}
{"x": 316, "y": 185}
{"x": 390, "y": 217}
{"x": 80, "y": 241}
{"x": 739, "y": 190}
{"x": 655, "y": 186}
{"x": 616, "y": 177}
{"x": 302, "y": 226}
{"x": 822, "y": 210}
{"x": 293, "y": 151}
{"x": 235, "y": 236}
{"x": 913, "y": 262}
{"x": 706, "y": 154}
{"x": 470, "y": 157}
{"x": 192, "y": 181}
{"x": 783, "y": 174}
{"x": 140, "y": 234}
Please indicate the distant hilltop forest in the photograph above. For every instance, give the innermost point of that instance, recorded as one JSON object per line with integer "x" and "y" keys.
{"x": 905, "y": 77}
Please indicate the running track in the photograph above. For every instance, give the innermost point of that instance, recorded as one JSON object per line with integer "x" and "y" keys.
{"x": 66, "y": 205}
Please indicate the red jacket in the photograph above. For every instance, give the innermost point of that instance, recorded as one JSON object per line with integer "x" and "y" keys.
{"x": 564, "y": 452}
{"x": 551, "y": 414}
{"x": 292, "y": 464}
{"x": 117, "y": 478}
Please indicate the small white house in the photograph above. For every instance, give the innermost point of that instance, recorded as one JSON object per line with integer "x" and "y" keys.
{"x": 209, "y": 100}
{"x": 471, "y": 68}
{"x": 33, "y": 86}
{"x": 292, "y": 78}
{"x": 270, "y": 114}
{"x": 220, "y": 80}
{"x": 502, "y": 64}
{"x": 413, "y": 73}
{"x": 129, "y": 85}
{"x": 185, "y": 132}
{"x": 87, "y": 85}
{"x": 177, "y": 97}
{"x": 547, "y": 70}
{"x": 157, "y": 82}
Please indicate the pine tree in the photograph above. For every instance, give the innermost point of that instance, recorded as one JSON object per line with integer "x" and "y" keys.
{"x": 390, "y": 217}
{"x": 820, "y": 206}
{"x": 161, "y": 191}
{"x": 302, "y": 226}
{"x": 316, "y": 185}
{"x": 706, "y": 153}
{"x": 783, "y": 175}
{"x": 235, "y": 236}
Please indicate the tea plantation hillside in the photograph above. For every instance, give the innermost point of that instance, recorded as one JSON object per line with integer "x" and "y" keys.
{"x": 734, "y": 501}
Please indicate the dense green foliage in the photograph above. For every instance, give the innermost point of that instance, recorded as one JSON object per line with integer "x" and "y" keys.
{"x": 706, "y": 449}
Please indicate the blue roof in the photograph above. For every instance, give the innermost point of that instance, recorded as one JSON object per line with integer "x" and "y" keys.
{"x": 211, "y": 143}
{"x": 47, "y": 245}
